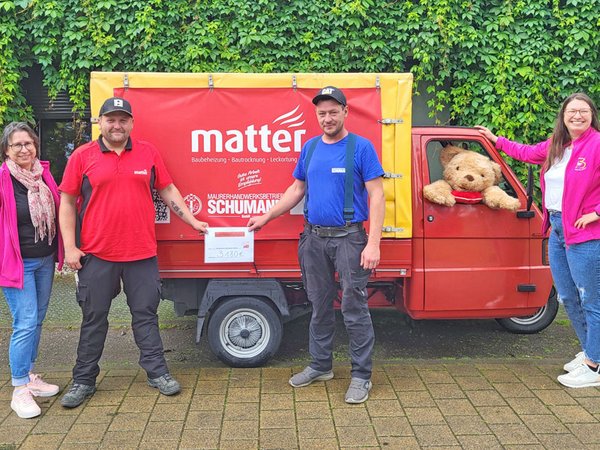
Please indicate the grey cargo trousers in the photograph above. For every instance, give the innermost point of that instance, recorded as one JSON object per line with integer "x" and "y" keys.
{"x": 320, "y": 258}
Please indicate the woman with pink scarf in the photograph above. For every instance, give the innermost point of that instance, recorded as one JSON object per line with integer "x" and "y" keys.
{"x": 30, "y": 244}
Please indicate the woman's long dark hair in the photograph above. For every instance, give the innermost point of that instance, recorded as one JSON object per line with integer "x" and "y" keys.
{"x": 560, "y": 136}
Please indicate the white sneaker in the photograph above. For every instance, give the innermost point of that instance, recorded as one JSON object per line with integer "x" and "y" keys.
{"x": 574, "y": 364}
{"x": 40, "y": 388}
{"x": 24, "y": 405}
{"x": 581, "y": 377}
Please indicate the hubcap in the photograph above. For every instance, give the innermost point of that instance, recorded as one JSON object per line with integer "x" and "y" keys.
{"x": 245, "y": 333}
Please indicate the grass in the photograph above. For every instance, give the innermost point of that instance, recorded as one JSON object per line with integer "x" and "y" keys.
{"x": 563, "y": 322}
{"x": 64, "y": 312}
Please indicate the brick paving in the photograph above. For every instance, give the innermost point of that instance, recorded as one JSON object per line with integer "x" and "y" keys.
{"x": 416, "y": 404}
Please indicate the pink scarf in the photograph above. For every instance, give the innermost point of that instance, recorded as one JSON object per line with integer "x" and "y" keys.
{"x": 39, "y": 197}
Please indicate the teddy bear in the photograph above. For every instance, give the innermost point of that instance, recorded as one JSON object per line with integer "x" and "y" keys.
{"x": 469, "y": 177}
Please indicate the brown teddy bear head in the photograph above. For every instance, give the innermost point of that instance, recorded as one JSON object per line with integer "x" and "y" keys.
{"x": 465, "y": 170}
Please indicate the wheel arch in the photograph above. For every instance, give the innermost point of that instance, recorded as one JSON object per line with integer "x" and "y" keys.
{"x": 219, "y": 290}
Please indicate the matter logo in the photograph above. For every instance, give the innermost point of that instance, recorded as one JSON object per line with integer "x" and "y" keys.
{"x": 193, "y": 203}
{"x": 283, "y": 135}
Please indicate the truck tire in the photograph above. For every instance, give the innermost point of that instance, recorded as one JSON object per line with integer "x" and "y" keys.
{"x": 244, "y": 332}
{"x": 536, "y": 322}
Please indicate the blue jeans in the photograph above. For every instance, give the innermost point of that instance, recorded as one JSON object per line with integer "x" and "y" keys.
{"x": 28, "y": 307}
{"x": 576, "y": 272}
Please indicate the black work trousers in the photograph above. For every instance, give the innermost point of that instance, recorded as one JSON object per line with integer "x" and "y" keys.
{"x": 320, "y": 258}
{"x": 99, "y": 283}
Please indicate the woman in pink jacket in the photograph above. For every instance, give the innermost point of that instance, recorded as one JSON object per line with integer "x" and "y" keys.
{"x": 30, "y": 244}
{"x": 570, "y": 182}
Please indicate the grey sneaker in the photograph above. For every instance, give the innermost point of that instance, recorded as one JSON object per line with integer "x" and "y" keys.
{"x": 77, "y": 394}
{"x": 166, "y": 384}
{"x": 308, "y": 375}
{"x": 358, "y": 391}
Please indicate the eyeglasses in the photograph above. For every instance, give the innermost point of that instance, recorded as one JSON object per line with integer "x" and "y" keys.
{"x": 582, "y": 112}
{"x": 19, "y": 146}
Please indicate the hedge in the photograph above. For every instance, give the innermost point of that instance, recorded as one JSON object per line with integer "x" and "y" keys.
{"x": 506, "y": 64}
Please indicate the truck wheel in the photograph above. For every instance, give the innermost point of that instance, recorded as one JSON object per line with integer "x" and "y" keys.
{"x": 244, "y": 332}
{"x": 536, "y": 322}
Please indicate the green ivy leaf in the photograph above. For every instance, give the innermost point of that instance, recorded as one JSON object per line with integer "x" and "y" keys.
{"x": 7, "y": 6}
{"x": 23, "y": 3}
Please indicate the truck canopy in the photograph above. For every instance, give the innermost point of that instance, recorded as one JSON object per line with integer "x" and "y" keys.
{"x": 231, "y": 140}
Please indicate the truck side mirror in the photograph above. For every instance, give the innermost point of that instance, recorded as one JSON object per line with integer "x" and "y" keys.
{"x": 528, "y": 214}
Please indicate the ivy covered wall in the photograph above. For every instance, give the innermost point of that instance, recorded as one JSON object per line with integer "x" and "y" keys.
{"x": 504, "y": 63}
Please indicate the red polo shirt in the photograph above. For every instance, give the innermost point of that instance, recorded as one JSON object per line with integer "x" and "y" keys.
{"x": 115, "y": 206}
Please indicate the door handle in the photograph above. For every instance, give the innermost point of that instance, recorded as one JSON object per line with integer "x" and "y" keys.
{"x": 526, "y": 287}
{"x": 525, "y": 214}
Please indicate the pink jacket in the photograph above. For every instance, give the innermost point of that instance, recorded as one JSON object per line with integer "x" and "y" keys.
{"x": 11, "y": 262}
{"x": 582, "y": 181}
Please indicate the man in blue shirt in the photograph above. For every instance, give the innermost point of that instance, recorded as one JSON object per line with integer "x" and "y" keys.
{"x": 334, "y": 239}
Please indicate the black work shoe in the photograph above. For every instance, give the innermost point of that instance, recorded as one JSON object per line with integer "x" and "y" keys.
{"x": 166, "y": 384}
{"x": 76, "y": 395}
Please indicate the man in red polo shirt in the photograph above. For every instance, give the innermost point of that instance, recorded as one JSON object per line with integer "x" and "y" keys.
{"x": 107, "y": 222}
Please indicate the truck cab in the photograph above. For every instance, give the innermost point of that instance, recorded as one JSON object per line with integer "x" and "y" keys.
{"x": 473, "y": 261}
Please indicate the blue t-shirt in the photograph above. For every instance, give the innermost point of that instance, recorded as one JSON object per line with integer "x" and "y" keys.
{"x": 326, "y": 177}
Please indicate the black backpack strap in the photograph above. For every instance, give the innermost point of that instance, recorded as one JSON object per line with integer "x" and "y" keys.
{"x": 349, "y": 179}
{"x": 309, "y": 153}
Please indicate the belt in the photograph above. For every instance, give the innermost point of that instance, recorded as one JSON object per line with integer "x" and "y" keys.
{"x": 553, "y": 212}
{"x": 333, "y": 232}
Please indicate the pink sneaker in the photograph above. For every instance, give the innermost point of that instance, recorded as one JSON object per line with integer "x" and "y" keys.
{"x": 40, "y": 388}
{"x": 24, "y": 405}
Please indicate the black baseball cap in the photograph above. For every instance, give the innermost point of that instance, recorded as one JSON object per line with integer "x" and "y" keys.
{"x": 114, "y": 104}
{"x": 330, "y": 93}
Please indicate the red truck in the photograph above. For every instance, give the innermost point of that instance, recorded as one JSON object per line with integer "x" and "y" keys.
{"x": 231, "y": 141}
